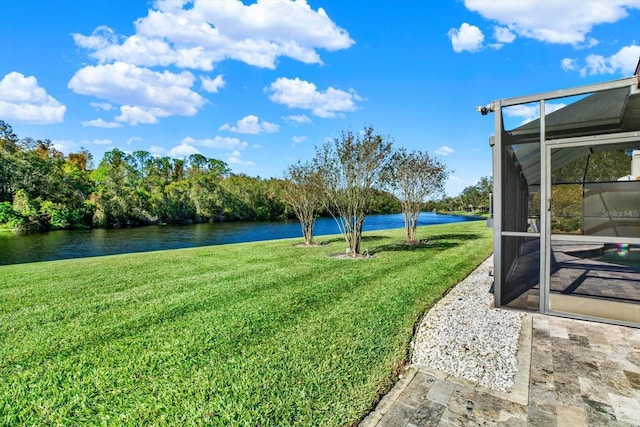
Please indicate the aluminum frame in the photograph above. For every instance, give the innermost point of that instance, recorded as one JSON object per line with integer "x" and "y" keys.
{"x": 544, "y": 152}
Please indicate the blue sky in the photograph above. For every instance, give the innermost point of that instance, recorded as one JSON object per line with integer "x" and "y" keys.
{"x": 260, "y": 84}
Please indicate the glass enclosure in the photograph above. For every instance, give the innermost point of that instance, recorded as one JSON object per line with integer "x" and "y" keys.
{"x": 594, "y": 193}
{"x": 567, "y": 202}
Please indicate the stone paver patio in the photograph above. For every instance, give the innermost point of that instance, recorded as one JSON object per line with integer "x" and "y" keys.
{"x": 571, "y": 373}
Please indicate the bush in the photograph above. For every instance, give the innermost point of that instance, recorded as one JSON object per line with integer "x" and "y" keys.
{"x": 8, "y": 217}
{"x": 55, "y": 215}
{"x": 27, "y": 212}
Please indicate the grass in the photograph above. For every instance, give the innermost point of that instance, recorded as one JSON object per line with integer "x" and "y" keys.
{"x": 263, "y": 333}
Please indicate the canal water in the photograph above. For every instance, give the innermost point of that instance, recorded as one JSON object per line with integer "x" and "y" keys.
{"x": 64, "y": 244}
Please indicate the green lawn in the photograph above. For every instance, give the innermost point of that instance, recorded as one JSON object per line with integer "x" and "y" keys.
{"x": 249, "y": 334}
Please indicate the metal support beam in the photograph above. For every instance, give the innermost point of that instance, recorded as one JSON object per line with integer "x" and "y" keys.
{"x": 631, "y": 82}
{"x": 498, "y": 158}
{"x": 545, "y": 213}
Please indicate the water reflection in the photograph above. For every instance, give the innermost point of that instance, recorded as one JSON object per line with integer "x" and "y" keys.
{"x": 15, "y": 249}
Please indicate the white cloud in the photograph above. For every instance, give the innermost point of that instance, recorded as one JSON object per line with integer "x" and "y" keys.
{"x": 444, "y": 151}
{"x": 298, "y": 139}
{"x": 99, "y": 123}
{"x": 569, "y": 64}
{"x": 98, "y": 141}
{"x": 23, "y": 100}
{"x": 133, "y": 139}
{"x": 217, "y": 142}
{"x": 182, "y": 150}
{"x": 596, "y": 64}
{"x": 270, "y": 127}
{"x": 297, "y": 119}
{"x": 591, "y": 42}
{"x": 145, "y": 94}
{"x": 233, "y": 146}
{"x": 102, "y": 37}
{"x": 561, "y": 22}
{"x": 526, "y": 112}
{"x": 503, "y": 35}
{"x": 199, "y": 34}
{"x": 296, "y": 93}
{"x": 623, "y": 62}
{"x": 142, "y": 50}
{"x": 157, "y": 151}
{"x": 101, "y": 106}
{"x": 467, "y": 37}
{"x": 251, "y": 125}
{"x": 529, "y": 113}
{"x": 64, "y": 145}
{"x": 234, "y": 159}
{"x": 212, "y": 85}
{"x": 135, "y": 115}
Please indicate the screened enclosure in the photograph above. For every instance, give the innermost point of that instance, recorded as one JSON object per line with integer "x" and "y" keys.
{"x": 566, "y": 202}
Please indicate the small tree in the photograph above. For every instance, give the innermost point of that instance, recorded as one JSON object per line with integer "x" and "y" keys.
{"x": 413, "y": 177}
{"x": 301, "y": 192}
{"x": 350, "y": 169}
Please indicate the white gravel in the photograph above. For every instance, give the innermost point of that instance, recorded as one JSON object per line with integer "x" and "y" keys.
{"x": 464, "y": 336}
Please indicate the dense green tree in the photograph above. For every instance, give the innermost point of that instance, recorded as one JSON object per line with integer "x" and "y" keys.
{"x": 8, "y": 162}
{"x": 476, "y": 197}
{"x": 275, "y": 207}
{"x": 205, "y": 190}
{"x": 119, "y": 199}
{"x": 599, "y": 166}
{"x": 207, "y": 196}
{"x": 179, "y": 208}
{"x": 27, "y": 210}
{"x": 77, "y": 187}
{"x": 567, "y": 191}
{"x": 41, "y": 188}
{"x": 33, "y": 170}
{"x": 384, "y": 202}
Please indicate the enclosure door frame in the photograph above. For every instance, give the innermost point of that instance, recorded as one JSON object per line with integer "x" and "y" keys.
{"x": 545, "y": 218}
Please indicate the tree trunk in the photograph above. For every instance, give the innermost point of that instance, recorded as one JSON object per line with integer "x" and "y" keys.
{"x": 355, "y": 235}
{"x": 307, "y": 232}
{"x": 414, "y": 226}
{"x": 410, "y": 225}
{"x": 407, "y": 226}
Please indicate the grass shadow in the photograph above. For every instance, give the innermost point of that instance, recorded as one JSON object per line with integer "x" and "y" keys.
{"x": 455, "y": 236}
{"x": 439, "y": 242}
{"x": 367, "y": 238}
{"x": 329, "y": 241}
{"x": 404, "y": 247}
{"x": 370, "y": 237}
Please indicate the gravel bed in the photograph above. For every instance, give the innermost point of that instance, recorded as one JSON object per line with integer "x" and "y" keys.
{"x": 464, "y": 336}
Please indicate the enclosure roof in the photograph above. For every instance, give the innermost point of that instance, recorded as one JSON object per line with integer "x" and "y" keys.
{"x": 602, "y": 110}
{"x": 614, "y": 110}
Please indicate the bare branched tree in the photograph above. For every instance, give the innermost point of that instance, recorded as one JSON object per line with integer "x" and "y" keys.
{"x": 412, "y": 177}
{"x": 350, "y": 169}
{"x": 302, "y": 193}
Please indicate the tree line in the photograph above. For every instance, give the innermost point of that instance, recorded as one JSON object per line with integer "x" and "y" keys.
{"x": 348, "y": 178}
{"x": 41, "y": 189}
